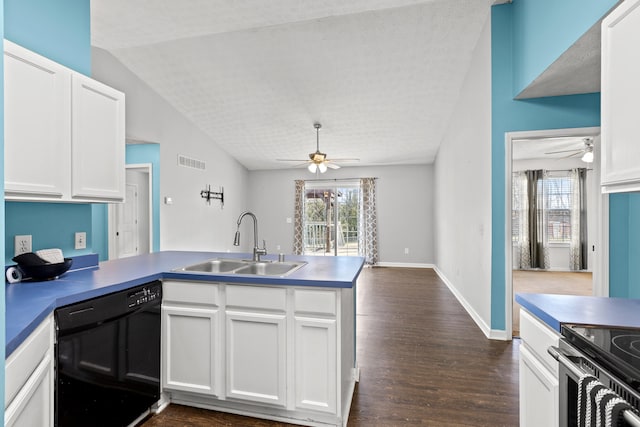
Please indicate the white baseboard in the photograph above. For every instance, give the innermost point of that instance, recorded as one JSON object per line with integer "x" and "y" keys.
{"x": 404, "y": 265}
{"x": 494, "y": 334}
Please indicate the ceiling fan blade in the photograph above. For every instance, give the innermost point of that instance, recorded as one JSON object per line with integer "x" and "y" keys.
{"x": 332, "y": 165}
{"x": 343, "y": 160}
{"x": 578, "y": 153}
{"x": 292, "y": 160}
{"x": 579, "y": 150}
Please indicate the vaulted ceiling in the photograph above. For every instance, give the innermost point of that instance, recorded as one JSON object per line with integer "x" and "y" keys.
{"x": 382, "y": 76}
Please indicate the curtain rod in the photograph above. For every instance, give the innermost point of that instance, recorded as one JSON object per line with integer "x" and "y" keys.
{"x": 339, "y": 179}
{"x": 555, "y": 170}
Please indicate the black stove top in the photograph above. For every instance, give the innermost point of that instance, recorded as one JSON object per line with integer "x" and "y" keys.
{"x": 615, "y": 349}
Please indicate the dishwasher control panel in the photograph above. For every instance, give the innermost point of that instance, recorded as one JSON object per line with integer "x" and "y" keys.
{"x": 146, "y": 294}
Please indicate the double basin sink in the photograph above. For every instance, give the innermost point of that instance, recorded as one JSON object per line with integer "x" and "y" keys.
{"x": 239, "y": 266}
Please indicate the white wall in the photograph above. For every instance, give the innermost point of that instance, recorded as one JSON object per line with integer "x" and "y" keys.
{"x": 405, "y": 208}
{"x": 559, "y": 254}
{"x": 463, "y": 190}
{"x": 189, "y": 223}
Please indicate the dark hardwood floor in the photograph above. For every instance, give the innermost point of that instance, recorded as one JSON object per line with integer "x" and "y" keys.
{"x": 423, "y": 361}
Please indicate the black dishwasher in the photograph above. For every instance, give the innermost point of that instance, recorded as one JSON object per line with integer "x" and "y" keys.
{"x": 108, "y": 358}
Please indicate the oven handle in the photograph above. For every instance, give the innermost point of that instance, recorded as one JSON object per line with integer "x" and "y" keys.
{"x": 629, "y": 416}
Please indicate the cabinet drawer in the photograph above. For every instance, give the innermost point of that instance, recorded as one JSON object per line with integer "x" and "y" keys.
{"x": 256, "y": 297}
{"x": 26, "y": 358}
{"x": 314, "y": 301}
{"x": 205, "y": 293}
{"x": 538, "y": 337}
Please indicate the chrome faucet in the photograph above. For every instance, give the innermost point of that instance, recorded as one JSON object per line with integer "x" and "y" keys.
{"x": 257, "y": 251}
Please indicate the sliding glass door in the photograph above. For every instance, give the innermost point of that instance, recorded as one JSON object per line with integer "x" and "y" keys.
{"x": 331, "y": 214}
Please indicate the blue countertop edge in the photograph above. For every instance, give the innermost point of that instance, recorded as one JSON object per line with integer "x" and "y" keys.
{"x": 29, "y": 303}
{"x": 556, "y": 310}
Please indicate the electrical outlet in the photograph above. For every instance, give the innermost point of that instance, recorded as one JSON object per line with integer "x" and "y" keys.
{"x": 22, "y": 244}
{"x": 81, "y": 240}
{"x": 406, "y": 251}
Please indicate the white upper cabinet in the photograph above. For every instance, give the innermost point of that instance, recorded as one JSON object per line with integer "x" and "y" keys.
{"x": 619, "y": 93}
{"x": 37, "y": 125}
{"x": 97, "y": 142}
{"x": 64, "y": 132}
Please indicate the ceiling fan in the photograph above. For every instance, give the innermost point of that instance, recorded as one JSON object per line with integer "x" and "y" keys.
{"x": 318, "y": 161}
{"x": 586, "y": 152}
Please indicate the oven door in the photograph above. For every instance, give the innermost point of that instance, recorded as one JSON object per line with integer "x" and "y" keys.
{"x": 571, "y": 367}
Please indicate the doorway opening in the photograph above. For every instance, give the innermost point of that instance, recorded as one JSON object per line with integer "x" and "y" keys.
{"x": 130, "y": 222}
{"x": 554, "y": 196}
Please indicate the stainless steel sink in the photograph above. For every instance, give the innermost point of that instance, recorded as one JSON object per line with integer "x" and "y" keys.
{"x": 215, "y": 266}
{"x": 237, "y": 266}
{"x": 270, "y": 268}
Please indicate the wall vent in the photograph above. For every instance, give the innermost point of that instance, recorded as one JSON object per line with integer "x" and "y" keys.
{"x": 189, "y": 162}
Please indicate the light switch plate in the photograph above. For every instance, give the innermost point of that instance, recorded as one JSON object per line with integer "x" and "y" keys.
{"x": 81, "y": 240}
{"x": 22, "y": 244}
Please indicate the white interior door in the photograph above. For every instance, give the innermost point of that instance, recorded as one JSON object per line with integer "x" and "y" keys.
{"x": 127, "y": 223}
{"x": 130, "y": 222}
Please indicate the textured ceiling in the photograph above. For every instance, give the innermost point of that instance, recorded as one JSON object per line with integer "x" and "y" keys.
{"x": 382, "y": 76}
{"x": 576, "y": 71}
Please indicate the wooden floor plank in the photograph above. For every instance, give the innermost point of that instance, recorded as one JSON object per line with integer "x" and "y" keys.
{"x": 423, "y": 362}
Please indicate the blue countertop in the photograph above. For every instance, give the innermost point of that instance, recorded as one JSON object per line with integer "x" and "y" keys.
{"x": 29, "y": 303}
{"x": 555, "y": 310}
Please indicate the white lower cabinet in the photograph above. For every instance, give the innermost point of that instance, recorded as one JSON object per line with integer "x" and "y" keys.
{"x": 279, "y": 352}
{"x": 316, "y": 364}
{"x": 29, "y": 380}
{"x": 257, "y": 357}
{"x": 191, "y": 347}
{"x": 539, "y": 388}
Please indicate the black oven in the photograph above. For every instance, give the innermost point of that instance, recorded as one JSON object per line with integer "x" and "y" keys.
{"x": 108, "y": 358}
{"x": 598, "y": 365}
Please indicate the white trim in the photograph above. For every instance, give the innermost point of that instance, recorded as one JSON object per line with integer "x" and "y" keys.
{"x": 111, "y": 218}
{"x": 600, "y": 259}
{"x": 486, "y": 329}
{"x": 404, "y": 265}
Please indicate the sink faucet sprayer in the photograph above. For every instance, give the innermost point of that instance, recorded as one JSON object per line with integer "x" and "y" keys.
{"x": 257, "y": 251}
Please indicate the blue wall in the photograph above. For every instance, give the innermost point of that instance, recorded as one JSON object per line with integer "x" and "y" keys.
{"x": 59, "y": 30}
{"x": 509, "y": 115}
{"x": 624, "y": 245}
{"x": 2, "y": 216}
{"x": 545, "y": 29}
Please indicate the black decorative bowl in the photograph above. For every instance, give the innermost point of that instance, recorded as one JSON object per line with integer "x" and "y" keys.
{"x": 45, "y": 271}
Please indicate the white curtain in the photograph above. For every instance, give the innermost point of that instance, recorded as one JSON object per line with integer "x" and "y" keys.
{"x": 521, "y": 211}
{"x": 368, "y": 224}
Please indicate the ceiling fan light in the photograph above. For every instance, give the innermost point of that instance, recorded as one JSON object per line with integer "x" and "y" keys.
{"x": 312, "y": 167}
{"x": 322, "y": 167}
{"x": 588, "y": 156}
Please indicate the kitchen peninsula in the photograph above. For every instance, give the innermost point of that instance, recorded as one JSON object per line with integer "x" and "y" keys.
{"x": 277, "y": 347}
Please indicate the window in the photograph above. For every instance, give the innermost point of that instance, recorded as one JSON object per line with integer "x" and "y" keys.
{"x": 553, "y": 204}
{"x": 557, "y": 194}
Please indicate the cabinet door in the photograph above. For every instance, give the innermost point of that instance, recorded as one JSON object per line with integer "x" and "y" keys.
{"x": 256, "y": 357}
{"x": 97, "y": 141}
{"x": 33, "y": 405}
{"x": 315, "y": 364}
{"x": 37, "y": 126}
{"x": 619, "y": 92}
{"x": 191, "y": 349}
{"x": 538, "y": 392}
